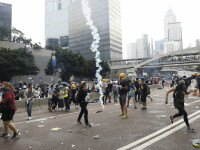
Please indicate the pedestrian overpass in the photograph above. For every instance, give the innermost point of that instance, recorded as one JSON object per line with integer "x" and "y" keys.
{"x": 185, "y": 57}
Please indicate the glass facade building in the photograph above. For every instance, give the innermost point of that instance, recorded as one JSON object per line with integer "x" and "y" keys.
{"x": 106, "y": 16}
{"x": 6, "y": 14}
{"x": 56, "y": 22}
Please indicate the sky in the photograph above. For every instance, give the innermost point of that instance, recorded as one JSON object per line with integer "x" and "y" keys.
{"x": 138, "y": 17}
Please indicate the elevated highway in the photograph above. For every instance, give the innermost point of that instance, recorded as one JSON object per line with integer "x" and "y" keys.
{"x": 185, "y": 57}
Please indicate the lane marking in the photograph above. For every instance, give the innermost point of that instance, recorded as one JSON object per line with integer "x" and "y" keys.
{"x": 158, "y": 138}
{"x": 155, "y": 133}
{"x": 51, "y": 117}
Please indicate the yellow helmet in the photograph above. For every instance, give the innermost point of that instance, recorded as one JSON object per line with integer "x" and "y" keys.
{"x": 73, "y": 85}
{"x": 104, "y": 80}
{"x": 122, "y": 75}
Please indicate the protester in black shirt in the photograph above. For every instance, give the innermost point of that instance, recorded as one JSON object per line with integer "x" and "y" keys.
{"x": 143, "y": 88}
{"x": 82, "y": 93}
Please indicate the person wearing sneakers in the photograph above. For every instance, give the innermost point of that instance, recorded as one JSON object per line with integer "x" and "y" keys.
{"x": 8, "y": 99}
{"x": 131, "y": 94}
{"x": 82, "y": 93}
{"x": 179, "y": 93}
{"x": 143, "y": 88}
{"x": 123, "y": 93}
{"x": 29, "y": 96}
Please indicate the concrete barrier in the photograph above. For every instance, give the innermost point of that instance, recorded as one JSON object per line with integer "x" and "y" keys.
{"x": 42, "y": 103}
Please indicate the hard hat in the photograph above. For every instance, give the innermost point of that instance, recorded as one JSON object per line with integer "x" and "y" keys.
{"x": 104, "y": 80}
{"x": 73, "y": 85}
{"x": 82, "y": 82}
{"x": 122, "y": 75}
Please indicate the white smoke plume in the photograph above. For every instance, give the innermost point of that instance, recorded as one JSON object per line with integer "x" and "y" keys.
{"x": 95, "y": 44}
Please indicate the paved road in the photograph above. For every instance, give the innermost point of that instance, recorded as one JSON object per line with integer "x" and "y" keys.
{"x": 149, "y": 130}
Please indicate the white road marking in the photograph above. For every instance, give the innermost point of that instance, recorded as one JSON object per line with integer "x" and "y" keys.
{"x": 51, "y": 117}
{"x": 158, "y": 138}
{"x": 155, "y": 133}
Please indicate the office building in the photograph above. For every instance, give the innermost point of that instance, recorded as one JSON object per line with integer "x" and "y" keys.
{"x": 173, "y": 32}
{"x": 106, "y": 16}
{"x": 197, "y": 42}
{"x": 131, "y": 51}
{"x": 6, "y": 15}
{"x": 143, "y": 47}
{"x": 56, "y": 22}
{"x": 159, "y": 47}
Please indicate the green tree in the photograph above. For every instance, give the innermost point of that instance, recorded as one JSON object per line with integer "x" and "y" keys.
{"x": 105, "y": 68}
{"x": 5, "y": 33}
{"x": 74, "y": 64}
{"x": 16, "y": 62}
{"x": 49, "y": 68}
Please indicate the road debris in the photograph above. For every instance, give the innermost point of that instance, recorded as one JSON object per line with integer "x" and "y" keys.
{"x": 55, "y": 129}
{"x": 96, "y": 137}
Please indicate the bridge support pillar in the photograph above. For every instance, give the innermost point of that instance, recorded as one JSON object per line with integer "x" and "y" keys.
{"x": 139, "y": 71}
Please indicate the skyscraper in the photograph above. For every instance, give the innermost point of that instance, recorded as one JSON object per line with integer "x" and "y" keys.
{"x": 56, "y": 22}
{"x": 132, "y": 51}
{"x": 106, "y": 16}
{"x": 140, "y": 49}
{"x": 143, "y": 47}
{"x": 6, "y": 15}
{"x": 173, "y": 32}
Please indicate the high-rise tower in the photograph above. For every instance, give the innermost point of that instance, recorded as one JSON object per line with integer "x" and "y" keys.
{"x": 56, "y": 22}
{"x": 106, "y": 16}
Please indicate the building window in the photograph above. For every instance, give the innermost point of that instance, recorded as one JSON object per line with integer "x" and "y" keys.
{"x": 59, "y": 5}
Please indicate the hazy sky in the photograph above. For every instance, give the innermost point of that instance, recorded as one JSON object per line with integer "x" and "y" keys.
{"x": 138, "y": 17}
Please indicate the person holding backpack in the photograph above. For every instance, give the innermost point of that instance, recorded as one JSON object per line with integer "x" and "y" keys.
{"x": 179, "y": 92}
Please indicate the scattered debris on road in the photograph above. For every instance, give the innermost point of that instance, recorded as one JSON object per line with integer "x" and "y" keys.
{"x": 99, "y": 111}
{"x": 73, "y": 146}
{"x": 55, "y": 129}
{"x": 96, "y": 137}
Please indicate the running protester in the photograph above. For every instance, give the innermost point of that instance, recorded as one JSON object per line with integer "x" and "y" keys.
{"x": 143, "y": 88}
{"x": 123, "y": 93}
{"x": 179, "y": 92}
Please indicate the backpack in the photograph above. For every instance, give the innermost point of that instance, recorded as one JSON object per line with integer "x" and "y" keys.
{"x": 148, "y": 90}
{"x": 179, "y": 95}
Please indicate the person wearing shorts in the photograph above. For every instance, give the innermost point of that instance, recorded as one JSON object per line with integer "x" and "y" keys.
{"x": 8, "y": 100}
{"x": 122, "y": 98}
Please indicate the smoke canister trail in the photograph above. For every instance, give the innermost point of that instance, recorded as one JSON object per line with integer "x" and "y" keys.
{"x": 95, "y": 44}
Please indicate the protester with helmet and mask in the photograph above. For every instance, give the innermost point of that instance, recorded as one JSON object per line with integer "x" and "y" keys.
{"x": 123, "y": 94}
{"x": 8, "y": 99}
{"x": 179, "y": 93}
